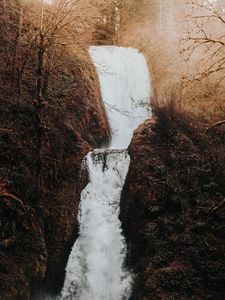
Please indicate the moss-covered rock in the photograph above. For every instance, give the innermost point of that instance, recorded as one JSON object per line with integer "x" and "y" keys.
{"x": 22, "y": 248}
{"x": 175, "y": 241}
{"x": 73, "y": 121}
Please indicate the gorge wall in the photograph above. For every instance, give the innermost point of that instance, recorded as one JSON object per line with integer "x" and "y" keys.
{"x": 44, "y": 138}
{"x": 172, "y": 202}
{"x": 36, "y": 238}
{"x": 172, "y": 211}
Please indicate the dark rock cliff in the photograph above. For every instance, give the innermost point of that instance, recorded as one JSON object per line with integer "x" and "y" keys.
{"x": 172, "y": 212}
{"x": 36, "y": 236}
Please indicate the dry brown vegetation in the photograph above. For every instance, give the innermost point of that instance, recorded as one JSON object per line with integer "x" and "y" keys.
{"x": 171, "y": 36}
{"x": 51, "y": 115}
{"x": 203, "y": 48}
{"x": 205, "y": 37}
{"x": 38, "y": 40}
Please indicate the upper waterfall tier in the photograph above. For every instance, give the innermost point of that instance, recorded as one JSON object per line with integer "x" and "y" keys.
{"x": 125, "y": 87}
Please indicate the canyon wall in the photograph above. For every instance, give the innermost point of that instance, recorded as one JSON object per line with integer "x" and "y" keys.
{"x": 36, "y": 236}
{"x": 172, "y": 210}
{"x": 172, "y": 201}
{"x": 51, "y": 116}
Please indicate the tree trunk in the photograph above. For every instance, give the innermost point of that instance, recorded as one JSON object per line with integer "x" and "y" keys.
{"x": 39, "y": 90}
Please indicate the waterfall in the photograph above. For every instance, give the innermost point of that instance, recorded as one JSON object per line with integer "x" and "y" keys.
{"x": 95, "y": 270}
{"x": 125, "y": 86}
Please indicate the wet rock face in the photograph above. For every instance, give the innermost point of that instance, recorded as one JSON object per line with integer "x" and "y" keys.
{"x": 73, "y": 121}
{"x": 175, "y": 241}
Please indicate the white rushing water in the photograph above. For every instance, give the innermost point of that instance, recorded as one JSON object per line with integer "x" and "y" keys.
{"x": 95, "y": 270}
{"x": 125, "y": 86}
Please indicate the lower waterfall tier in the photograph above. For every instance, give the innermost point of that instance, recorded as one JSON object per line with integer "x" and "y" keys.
{"x": 95, "y": 268}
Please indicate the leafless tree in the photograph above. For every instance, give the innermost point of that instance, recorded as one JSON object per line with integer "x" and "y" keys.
{"x": 205, "y": 38}
{"x": 204, "y": 46}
